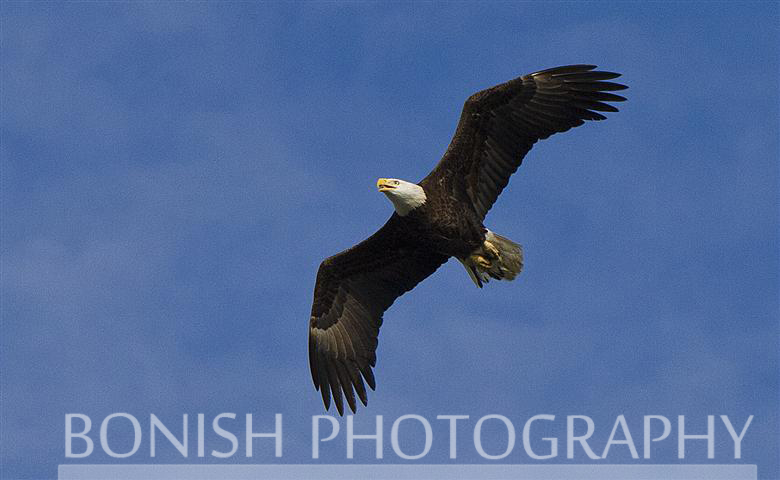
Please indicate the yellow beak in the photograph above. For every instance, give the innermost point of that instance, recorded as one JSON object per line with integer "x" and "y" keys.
{"x": 383, "y": 185}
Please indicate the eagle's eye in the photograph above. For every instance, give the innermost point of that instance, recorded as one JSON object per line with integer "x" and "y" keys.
{"x": 396, "y": 182}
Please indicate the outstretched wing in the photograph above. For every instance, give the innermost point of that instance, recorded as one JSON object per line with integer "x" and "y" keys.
{"x": 352, "y": 291}
{"x": 498, "y": 126}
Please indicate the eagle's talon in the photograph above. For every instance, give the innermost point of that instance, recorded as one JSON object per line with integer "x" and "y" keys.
{"x": 482, "y": 261}
{"x": 490, "y": 250}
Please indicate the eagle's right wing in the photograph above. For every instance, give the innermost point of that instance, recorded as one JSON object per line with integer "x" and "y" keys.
{"x": 352, "y": 291}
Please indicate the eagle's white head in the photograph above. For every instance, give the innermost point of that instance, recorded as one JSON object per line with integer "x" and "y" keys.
{"x": 406, "y": 196}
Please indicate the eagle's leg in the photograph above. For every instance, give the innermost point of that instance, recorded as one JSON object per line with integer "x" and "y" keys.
{"x": 480, "y": 260}
{"x": 497, "y": 257}
{"x": 490, "y": 249}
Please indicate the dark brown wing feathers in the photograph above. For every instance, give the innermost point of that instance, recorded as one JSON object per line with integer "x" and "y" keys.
{"x": 498, "y": 126}
{"x": 352, "y": 291}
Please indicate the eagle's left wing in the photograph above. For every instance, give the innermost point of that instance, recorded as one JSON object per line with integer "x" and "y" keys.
{"x": 498, "y": 126}
{"x": 352, "y": 291}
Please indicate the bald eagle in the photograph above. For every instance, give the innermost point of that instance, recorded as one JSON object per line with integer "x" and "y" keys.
{"x": 441, "y": 217}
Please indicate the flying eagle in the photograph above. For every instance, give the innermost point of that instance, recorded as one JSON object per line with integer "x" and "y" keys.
{"x": 441, "y": 217}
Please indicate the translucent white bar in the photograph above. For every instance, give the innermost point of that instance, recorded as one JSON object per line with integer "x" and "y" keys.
{"x": 407, "y": 472}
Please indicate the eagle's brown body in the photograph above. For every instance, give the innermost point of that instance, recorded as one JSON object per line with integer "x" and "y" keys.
{"x": 498, "y": 126}
{"x": 444, "y": 226}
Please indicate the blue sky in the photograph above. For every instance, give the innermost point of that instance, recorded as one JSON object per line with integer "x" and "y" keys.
{"x": 172, "y": 175}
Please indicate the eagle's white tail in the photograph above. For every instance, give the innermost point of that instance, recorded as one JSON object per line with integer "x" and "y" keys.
{"x": 498, "y": 257}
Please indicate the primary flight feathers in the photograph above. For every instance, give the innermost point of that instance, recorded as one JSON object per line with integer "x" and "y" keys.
{"x": 441, "y": 217}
